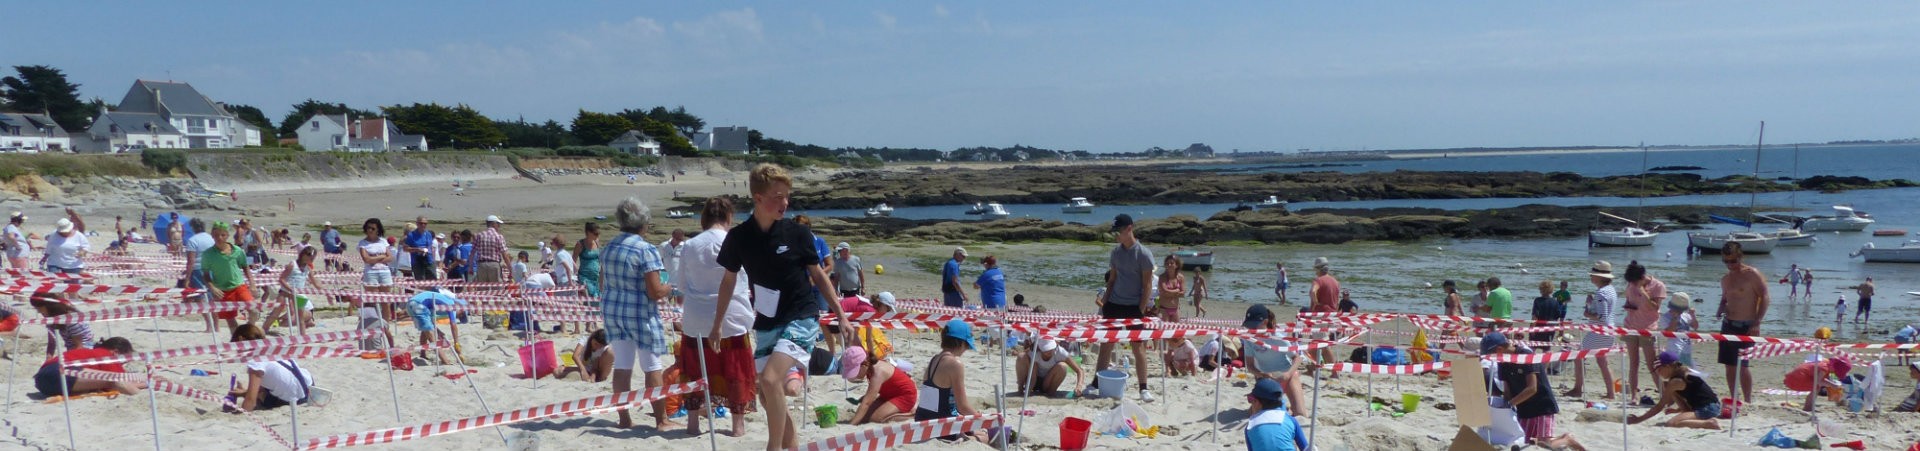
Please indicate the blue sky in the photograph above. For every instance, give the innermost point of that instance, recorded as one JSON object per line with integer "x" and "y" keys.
{"x": 1101, "y": 76}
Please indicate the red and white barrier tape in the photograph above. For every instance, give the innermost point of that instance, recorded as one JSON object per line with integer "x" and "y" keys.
{"x": 16, "y": 272}
{"x": 232, "y": 347}
{"x": 1550, "y": 357}
{"x": 1388, "y": 369}
{"x": 151, "y": 311}
{"x": 567, "y": 408}
{"x": 886, "y": 437}
{"x": 75, "y": 288}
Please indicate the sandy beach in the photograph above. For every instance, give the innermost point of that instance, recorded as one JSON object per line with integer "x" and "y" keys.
{"x": 1184, "y": 408}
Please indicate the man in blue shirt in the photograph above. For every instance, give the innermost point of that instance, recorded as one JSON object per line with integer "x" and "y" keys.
{"x": 1272, "y": 428}
{"x": 950, "y": 292}
{"x": 419, "y": 244}
{"x": 330, "y": 242}
{"x": 992, "y": 284}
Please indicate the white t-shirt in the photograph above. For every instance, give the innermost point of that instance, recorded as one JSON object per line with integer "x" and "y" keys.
{"x": 280, "y": 381}
{"x": 670, "y": 255}
{"x": 64, "y": 251}
{"x": 377, "y": 247}
{"x": 700, "y": 275}
{"x": 402, "y": 259}
{"x": 563, "y": 267}
{"x": 198, "y": 244}
{"x": 16, "y": 242}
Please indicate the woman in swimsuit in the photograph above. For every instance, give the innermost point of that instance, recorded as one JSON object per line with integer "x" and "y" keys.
{"x": 943, "y": 392}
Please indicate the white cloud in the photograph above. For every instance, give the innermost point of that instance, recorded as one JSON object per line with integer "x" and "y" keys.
{"x": 887, "y": 21}
{"x": 940, "y": 10}
{"x": 741, "y": 25}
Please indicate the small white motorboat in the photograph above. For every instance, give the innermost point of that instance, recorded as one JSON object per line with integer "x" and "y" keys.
{"x": 1624, "y": 237}
{"x": 1194, "y": 259}
{"x": 978, "y": 209}
{"x": 1271, "y": 202}
{"x": 1077, "y": 205}
{"x": 995, "y": 211}
{"x": 1750, "y": 242}
{"x": 1844, "y": 219}
{"x": 1908, "y": 252}
{"x": 679, "y": 214}
{"x": 880, "y": 210}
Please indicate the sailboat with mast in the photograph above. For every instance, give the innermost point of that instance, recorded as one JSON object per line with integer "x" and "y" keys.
{"x": 1632, "y": 235}
{"x": 1791, "y": 235}
{"x": 1750, "y": 242}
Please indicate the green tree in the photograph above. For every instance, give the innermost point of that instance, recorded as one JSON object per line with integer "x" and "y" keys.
{"x": 269, "y": 135}
{"x": 290, "y": 125}
{"x": 520, "y": 133}
{"x": 44, "y": 89}
{"x": 595, "y": 129}
{"x": 670, "y": 143}
{"x": 446, "y": 127}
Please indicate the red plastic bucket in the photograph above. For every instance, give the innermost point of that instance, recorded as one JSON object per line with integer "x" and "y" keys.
{"x": 538, "y": 360}
{"x": 1074, "y": 433}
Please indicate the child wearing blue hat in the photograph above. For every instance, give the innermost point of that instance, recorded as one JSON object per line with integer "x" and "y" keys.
{"x": 1531, "y": 396}
{"x": 943, "y": 391}
{"x": 1271, "y": 427}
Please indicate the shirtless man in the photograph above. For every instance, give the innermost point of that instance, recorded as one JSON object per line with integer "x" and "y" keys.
{"x": 1743, "y": 304}
{"x": 1865, "y": 291}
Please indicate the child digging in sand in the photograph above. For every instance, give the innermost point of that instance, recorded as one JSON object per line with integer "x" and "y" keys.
{"x": 1692, "y": 400}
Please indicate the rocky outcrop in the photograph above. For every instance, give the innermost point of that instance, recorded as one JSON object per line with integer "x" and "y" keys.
{"x": 1164, "y": 185}
{"x": 1321, "y": 226}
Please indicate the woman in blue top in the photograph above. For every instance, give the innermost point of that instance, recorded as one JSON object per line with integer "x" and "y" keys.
{"x": 943, "y": 392}
{"x": 992, "y": 284}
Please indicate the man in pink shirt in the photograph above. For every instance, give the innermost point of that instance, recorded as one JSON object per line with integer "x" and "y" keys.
{"x": 1645, "y": 295}
{"x": 1324, "y": 295}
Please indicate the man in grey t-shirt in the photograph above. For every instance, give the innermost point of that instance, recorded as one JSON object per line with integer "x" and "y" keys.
{"x": 1130, "y": 266}
{"x": 847, "y": 271}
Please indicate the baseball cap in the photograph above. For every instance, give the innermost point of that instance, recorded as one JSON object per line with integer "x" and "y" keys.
{"x": 326, "y": 224}
{"x": 885, "y": 298}
{"x": 850, "y": 361}
{"x": 441, "y": 236}
{"x": 959, "y": 329}
{"x": 65, "y": 225}
{"x": 960, "y": 250}
{"x": 842, "y": 246}
{"x": 1269, "y": 393}
{"x": 1491, "y": 341}
{"x": 1667, "y": 358}
{"x": 1122, "y": 221}
{"x": 1046, "y": 345}
{"x": 1257, "y": 317}
{"x": 20, "y": 215}
{"x": 494, "y": 219}
{"x": 1319, "y": 262}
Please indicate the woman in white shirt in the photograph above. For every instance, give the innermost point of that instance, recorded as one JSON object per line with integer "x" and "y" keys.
{"x": 377, "y": 276}
{"x": 66, "y": 247}
{"x": 730, "y": 369}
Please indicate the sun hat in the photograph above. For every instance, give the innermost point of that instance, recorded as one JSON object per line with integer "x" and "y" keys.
{"x": 959, "y": 329}
{"x": 1269, "y": 393}
{"x": 850, "y": 361}
{"x": 1668, "y": 358}
{"x": 1679, "y": 300}
{"x": 1492, "y": 341}
{"x": 885, "y": 298}
{"x": 1257, "y": 317}
{"x": 1319, "y": 262}
{"x": 1047, "y": 345}
{"x": 1601, "y": 269}
{"x": 65, "y": 225}
{"x": 494, "y": 219}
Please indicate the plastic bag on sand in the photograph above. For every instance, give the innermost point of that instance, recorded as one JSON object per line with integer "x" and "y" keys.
{"x": 1778, "y": 440}
{"x": 1115, "y": 421}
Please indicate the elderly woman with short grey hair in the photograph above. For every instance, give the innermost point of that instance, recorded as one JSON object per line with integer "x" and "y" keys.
{"x": 629, "y": 284}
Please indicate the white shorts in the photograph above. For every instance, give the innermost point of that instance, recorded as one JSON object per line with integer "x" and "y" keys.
{"x": 627, "y": 352}
{"x": 376, "y": 278}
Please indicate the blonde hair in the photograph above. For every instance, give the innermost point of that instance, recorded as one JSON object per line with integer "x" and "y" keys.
{"x": 1546, "y": 287}
{"x": 765, "y": 175}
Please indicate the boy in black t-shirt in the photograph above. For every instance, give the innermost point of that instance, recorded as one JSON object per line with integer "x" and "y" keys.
{"x": 1529, "y": 393}
{"x": 783, "y": 267}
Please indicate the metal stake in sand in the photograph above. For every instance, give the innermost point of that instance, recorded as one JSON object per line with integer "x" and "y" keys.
{"x": 1625, "y": 440}
{"x": 1365, "y": 343}
{"x": 533, "y": 373}
{"x": 391, "y": 387}
{"x": 13, "y": 373}
{"x": 66, "y": 405}
{"x": 153, "y": 405}
{"x": 1001, "y": 393}
{"x": 1313, "y": 417}
{"x": 712, "y": 427}
{"x": 1026, "y": 391}
{"x": 1219, "y": 373}
{"x": 476, "y": 388}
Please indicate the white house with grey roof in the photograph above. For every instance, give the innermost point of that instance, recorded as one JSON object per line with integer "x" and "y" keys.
{"x": 32, "y": 133}
{"x": 165, "y": 114}
{"x": 339, "y": 132}
{"x": 635, "y": 142}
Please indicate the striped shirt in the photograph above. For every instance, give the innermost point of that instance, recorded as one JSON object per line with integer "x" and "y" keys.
{"x": 77, "y": 335}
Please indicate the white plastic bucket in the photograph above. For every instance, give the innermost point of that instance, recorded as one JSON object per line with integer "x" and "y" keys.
{"x": 1112, "y": 383}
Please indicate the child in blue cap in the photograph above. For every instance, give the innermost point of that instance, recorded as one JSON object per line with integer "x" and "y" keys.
{"x": 943, "y": 391}
{"x": 1271, "y": 427}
